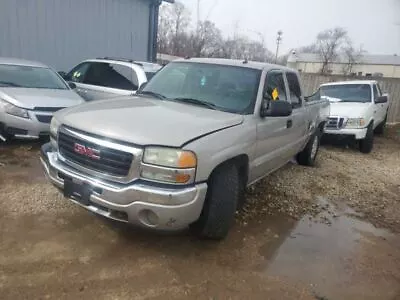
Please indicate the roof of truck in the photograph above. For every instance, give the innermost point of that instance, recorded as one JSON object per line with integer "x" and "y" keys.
{"x": 237, "y": 63}
{"x": 350, "y": 82}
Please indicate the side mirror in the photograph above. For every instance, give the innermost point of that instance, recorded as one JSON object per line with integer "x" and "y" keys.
{"x": 276, "y": 109}
{"x": 382, "y": 99}
{"x": 72, "y": 85}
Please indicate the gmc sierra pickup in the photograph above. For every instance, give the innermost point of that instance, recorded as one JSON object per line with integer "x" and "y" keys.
{"x": 182, "y": 151}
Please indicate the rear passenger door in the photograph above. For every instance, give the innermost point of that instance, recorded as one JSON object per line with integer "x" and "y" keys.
{"x": 273, "y": 133}
{"x": 299, "y": 118}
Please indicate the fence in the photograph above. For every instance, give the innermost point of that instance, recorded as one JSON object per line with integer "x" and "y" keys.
{"x": 311, "y": 82}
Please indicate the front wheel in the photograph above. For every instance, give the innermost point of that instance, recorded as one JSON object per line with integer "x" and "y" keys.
{"x": 380, "y": 129}
{"x": 367, "y": 143}
{"x": 221, "y": 203}
{"x": 309, "y": 154}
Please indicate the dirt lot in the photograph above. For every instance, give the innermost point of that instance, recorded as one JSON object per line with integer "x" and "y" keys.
{"x": 330, "y": 232}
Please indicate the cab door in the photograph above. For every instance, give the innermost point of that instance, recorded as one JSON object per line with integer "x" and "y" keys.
{"x": 299, "y": 118}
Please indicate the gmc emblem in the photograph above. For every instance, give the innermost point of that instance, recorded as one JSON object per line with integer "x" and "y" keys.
{"x": 87, "y": 151}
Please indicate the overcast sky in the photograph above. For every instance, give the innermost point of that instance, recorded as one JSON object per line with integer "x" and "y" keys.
{"x": 373, "y": 23}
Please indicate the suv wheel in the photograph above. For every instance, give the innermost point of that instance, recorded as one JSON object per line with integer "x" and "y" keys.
{"x": 221, "y": 202}
{"x": 309, "y": 154}
{"x": 367, "y": 143}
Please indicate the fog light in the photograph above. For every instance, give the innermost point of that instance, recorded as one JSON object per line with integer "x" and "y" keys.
{"x": 148, "y": 217}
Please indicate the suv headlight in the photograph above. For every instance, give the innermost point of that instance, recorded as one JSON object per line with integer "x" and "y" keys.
{"x": 11, "y": 109}
{"x": 355, "y": 123}
{"x": 169, "y": 165}
{"x": 54, "y": 125}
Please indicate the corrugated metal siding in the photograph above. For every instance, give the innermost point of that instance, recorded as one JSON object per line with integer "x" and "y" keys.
{"x": 61, "y": 33}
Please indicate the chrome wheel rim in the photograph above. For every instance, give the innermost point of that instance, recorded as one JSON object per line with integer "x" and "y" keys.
{"x": 314, "y": 148}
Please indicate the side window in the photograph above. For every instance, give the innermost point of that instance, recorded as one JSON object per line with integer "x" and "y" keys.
{"x": 294, "y": 89}
{"x": 274, "y": 89}
{"x": 112, "y": 76}
{"x": 376, "y": 92}
{"x": 78, "y": 73}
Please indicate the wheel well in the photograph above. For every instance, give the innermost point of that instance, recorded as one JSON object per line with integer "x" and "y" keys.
{"x": 241, "y": 162}
{"x": 321, "y": 126}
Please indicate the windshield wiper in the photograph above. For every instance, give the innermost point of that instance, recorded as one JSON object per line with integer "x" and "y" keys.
{"x": 197, "y": 102}
{"x": 154, "y": 94}
{"x": 8, "y": 83}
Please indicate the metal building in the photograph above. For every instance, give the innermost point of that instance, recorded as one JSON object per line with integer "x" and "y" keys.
{"x": 61, "y": 33}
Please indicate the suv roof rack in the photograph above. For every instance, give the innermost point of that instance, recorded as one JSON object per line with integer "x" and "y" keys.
{"x": 121, "y": 59}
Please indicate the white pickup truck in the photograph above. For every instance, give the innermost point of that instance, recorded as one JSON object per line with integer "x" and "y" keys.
{"x": 358, "y": 108}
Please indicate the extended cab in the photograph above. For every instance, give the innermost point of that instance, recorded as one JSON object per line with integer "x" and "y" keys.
{"x": 358, "y": 108}
{"x": 182, "y": 151}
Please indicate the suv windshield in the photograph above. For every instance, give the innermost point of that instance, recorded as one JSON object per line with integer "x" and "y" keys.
{"x": 227, "y": 88}
{"x": 347, "y": 92}
{"x": 30, "y": 77}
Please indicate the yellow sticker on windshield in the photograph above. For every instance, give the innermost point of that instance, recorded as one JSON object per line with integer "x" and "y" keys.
{"x": 275, "y": 94}
{"x": 76, "y": 74}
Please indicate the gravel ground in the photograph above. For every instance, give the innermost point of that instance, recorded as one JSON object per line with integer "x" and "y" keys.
{"x": 370, "y": 184}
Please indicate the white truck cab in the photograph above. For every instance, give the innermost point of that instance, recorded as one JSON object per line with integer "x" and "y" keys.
{"x": 358, "y": 109}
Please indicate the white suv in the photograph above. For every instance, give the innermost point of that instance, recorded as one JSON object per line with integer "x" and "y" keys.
{"x": 358, "y": 108}
{"x": 109, "y": 77}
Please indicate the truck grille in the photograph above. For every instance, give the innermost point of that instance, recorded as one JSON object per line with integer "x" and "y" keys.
{"x": 92, "y": 156}
{"x": 335, "y": 123}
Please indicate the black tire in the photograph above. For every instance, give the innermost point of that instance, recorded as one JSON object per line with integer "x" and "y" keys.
{"x": 307, "y": 157}
{"x": 221, "y": 203}
{"x": 367, "y": 143}
{"x": 380, "y": 129}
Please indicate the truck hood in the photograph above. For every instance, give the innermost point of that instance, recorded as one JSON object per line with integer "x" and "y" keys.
{"x": 30, "y": 98}
{"x": 145, "y": 121}
{"x": 349, "y": 109}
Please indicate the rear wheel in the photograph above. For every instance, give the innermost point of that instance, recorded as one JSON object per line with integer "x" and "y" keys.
{"x": 221, "y": 203}
{"x": 367, "y": 143}
{"x": 309, "y": 154}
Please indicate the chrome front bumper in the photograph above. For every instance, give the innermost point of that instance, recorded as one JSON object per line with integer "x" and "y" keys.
{"x": 137, "y": 203}
{"x": 358, "y": 134}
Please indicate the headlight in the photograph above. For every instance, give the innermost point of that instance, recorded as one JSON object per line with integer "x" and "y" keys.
{"x": 355, "y": 123}
{"x": 169, "y": 165}
{"x": 54, "y": 124}
{"x": 168, "y": 157}
{"x": 11, "y": 109}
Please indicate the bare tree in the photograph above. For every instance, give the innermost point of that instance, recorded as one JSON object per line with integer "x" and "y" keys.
{"x": 180, "y": 18}
{"x": 207, "y": 40}
{"x": 328, "y": 44}
{"x": 351, "y": 56}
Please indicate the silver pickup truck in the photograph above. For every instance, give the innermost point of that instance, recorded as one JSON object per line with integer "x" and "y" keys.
{"x": 182, "y": 151}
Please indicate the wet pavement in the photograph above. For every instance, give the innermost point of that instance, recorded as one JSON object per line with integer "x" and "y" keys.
{"x": 64, "y": 252}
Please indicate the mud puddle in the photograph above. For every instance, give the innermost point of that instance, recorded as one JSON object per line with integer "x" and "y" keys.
{"x": 337, "y": 256}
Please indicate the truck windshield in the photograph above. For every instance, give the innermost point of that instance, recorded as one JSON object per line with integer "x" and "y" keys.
{"x": 347, "y": 92}
{"x": 227, "y": 88}
{"x": 30, "y": 77}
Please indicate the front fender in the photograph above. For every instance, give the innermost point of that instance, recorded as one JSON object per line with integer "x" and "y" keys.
{"x": 221, "y": 146}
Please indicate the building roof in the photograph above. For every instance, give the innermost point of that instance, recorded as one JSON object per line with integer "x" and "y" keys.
{"x": 367, "y": 59}
{"x": 236, "y": 63}
{"x": 20, "y": 62}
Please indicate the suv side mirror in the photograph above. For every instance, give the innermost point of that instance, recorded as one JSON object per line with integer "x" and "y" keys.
{"x": 275, "y": 109}
{"x": 382, "y": 99}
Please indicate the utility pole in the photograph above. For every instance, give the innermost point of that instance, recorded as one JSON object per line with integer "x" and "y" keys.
{"x": 198, "y": 18}
{"x": 278, "y": 42}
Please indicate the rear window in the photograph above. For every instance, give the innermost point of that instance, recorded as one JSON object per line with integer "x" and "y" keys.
{"x": 347, "y": 92}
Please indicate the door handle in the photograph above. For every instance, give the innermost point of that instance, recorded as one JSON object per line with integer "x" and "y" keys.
{"x": 289, "y": 124}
